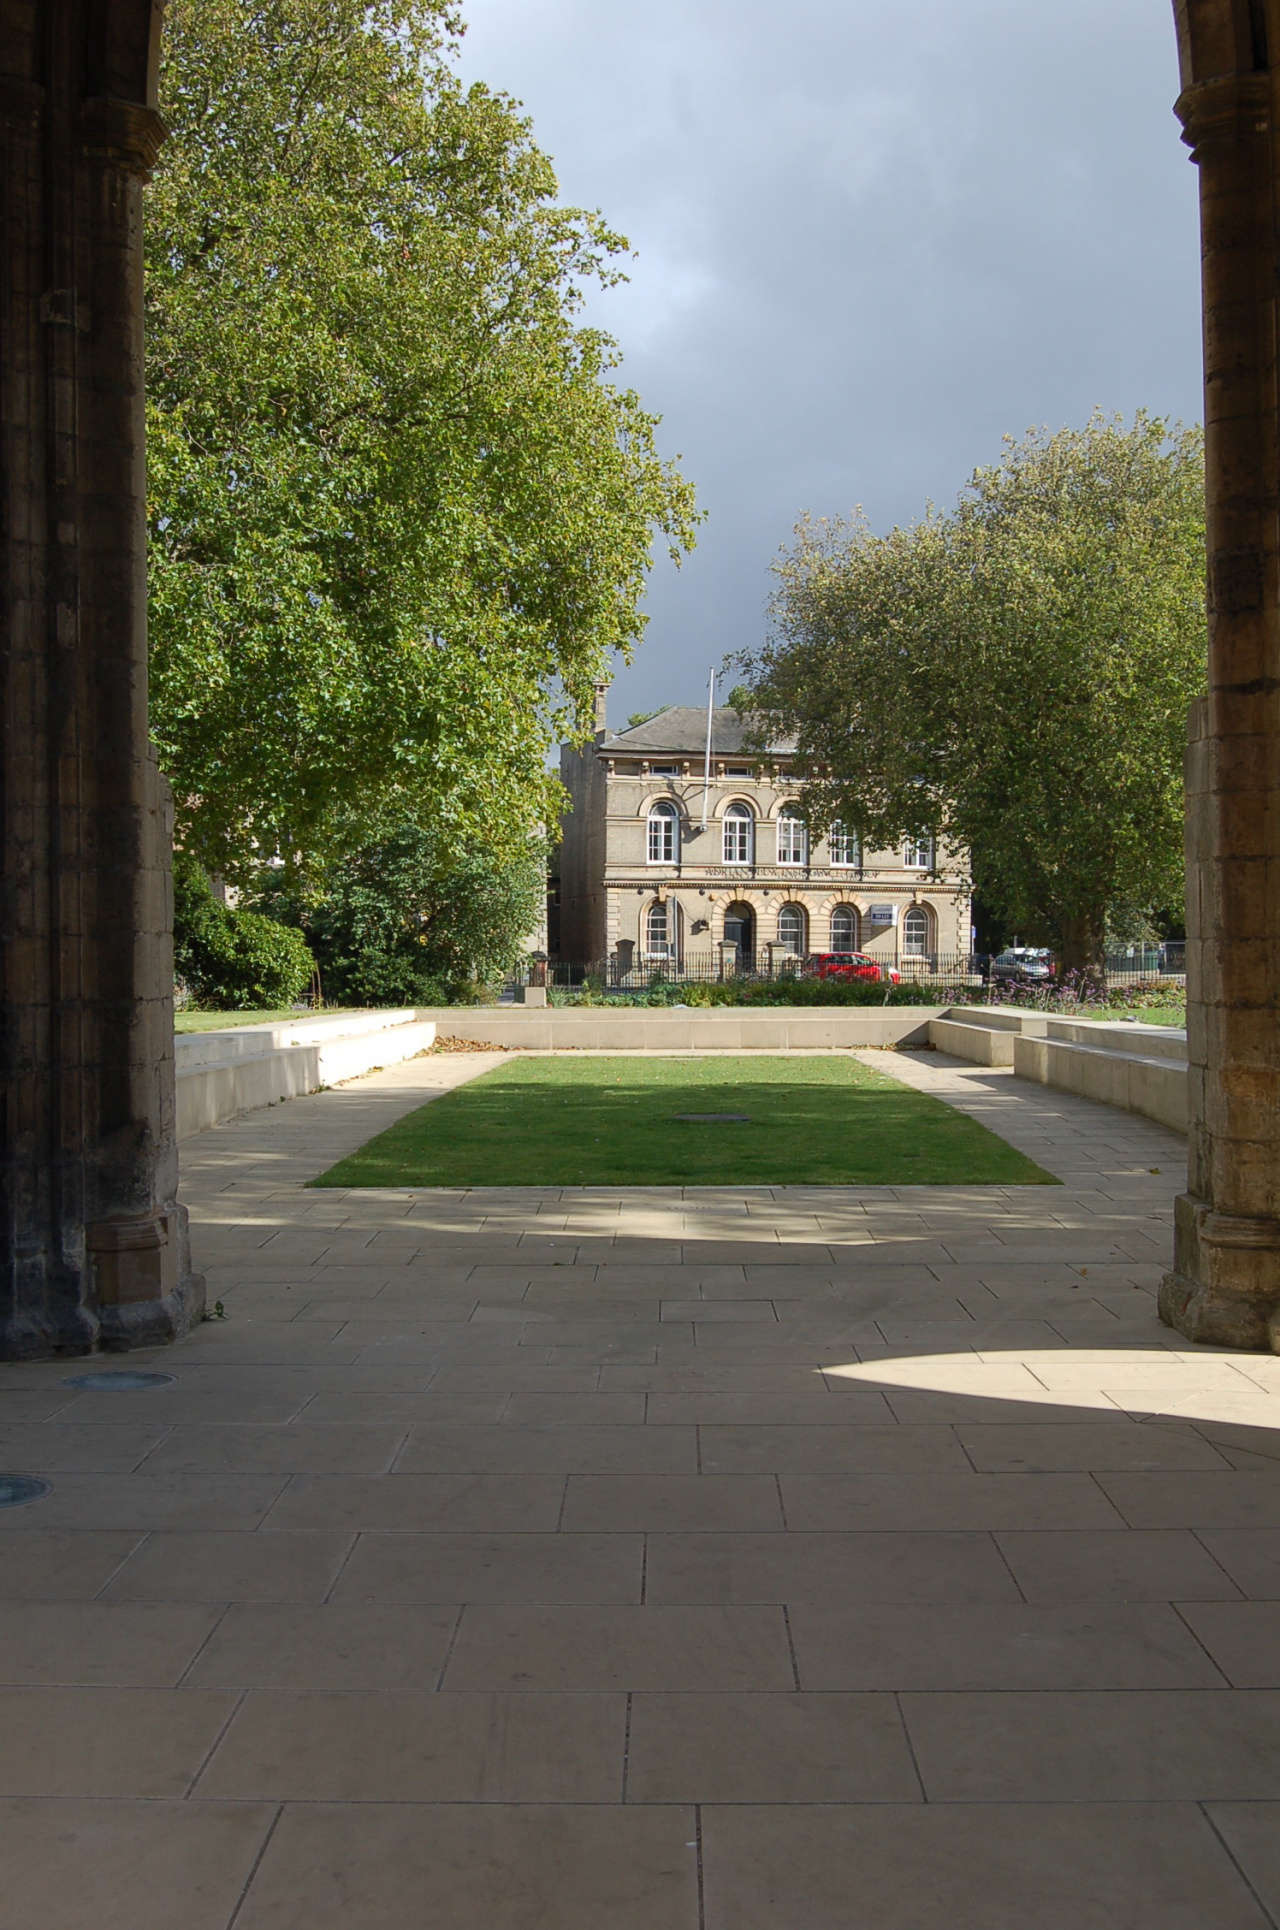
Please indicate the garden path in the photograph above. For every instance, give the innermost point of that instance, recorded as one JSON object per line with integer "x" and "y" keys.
{"x": 652, "y": 1560}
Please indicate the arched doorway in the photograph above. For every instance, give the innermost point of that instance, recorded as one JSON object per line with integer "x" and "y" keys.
{"x": 740, "y": 930}
{"x": 94, "y": 1092}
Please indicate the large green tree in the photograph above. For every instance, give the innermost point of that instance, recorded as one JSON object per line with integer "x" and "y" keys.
{"x": 400, "y": 514}
{"x": 1013, "y": 678}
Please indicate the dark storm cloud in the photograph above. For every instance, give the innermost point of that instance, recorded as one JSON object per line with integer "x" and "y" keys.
{"x": 872, "y": 237}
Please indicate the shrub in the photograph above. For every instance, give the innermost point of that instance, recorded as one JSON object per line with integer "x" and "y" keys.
{"x": 782, "y": 991}
{"x": 233, "y": 960}
{"x": 418, "y": 918}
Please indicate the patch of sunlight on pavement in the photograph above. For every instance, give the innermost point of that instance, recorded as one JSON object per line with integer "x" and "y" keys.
{"x": 1240, "y": 1388}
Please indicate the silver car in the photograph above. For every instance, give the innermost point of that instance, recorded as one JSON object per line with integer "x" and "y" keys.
{"x": 1023, "y": 965}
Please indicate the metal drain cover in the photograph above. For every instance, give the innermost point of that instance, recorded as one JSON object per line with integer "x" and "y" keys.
{"x": 715, "y": 1118}
{"x": 17, "y": 1489}
{"x": 123, "y": 1381}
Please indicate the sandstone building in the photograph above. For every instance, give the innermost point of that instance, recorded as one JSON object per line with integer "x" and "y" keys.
{"x": 659, "y": 865}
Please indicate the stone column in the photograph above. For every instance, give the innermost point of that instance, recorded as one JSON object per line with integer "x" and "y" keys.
{"x": 1225, "y": 1285}
{"x": 94, "y": 1250}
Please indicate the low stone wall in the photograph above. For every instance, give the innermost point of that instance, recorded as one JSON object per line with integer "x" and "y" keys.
{"x": 1153, "y": 1085}
{"x": 664, "y": 1029}
{"x": 1138, "y": 1068}
{"x": 984, "y": 1045}
{"x": 240, "y": 1068}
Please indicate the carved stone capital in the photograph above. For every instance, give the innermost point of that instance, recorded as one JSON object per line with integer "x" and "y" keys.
{"x": 122, "y": 134}
{"x": 1232, "y": 107}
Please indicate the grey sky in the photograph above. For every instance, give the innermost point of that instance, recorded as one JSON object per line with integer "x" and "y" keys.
{"x": 872, "y": 237}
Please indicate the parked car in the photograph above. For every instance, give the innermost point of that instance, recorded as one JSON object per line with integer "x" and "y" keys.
{"x": 1022, "y": 965}
{"x": 849, "y": 965}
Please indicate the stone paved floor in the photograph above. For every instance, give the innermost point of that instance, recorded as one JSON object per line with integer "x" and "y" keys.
{"x": 819, "y": 1560}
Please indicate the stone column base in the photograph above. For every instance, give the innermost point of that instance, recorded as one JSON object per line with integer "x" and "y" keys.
{"x": 1224, "y": 1289}
{"x": 147, "y": 1293}
{"x": 153, "y": 1323}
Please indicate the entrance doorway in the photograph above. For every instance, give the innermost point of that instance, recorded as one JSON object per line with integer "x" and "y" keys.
{"x": 740, "y": 930}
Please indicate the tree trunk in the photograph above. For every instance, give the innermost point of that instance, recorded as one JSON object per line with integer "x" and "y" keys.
{"x": 1084, "y": 950}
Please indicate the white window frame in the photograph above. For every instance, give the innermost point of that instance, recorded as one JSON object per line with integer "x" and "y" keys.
{"x": 851, "y": 913}
{"x": 663, "y": 834}
{"x": 845, "y": 847}
{"x": 917, "y": 854}
{"x": 650, "y": 949}
{"x": 910, "y": 916}
{"x": 797, "y": 911}
{"x": 738, "y": 832}
{"x": 793, "y": 849}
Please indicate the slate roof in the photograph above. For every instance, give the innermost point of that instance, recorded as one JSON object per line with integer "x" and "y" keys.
{"x": 682, "y": 730}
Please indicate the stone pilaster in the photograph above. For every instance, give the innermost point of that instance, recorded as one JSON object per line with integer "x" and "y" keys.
{"x": 94, "y": 1249}
{"x": 1225, "y": 1285}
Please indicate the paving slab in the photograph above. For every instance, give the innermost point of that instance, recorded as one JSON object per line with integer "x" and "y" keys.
{"x": 747, "y": 1559}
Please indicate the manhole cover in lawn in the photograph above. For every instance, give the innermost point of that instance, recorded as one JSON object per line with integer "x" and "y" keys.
{"x": 123, "y": 1381}
{"x": 714, "y": 1118}
{"x": 17, "y": 1489}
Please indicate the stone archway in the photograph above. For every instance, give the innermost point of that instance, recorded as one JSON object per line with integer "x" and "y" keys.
{"x": 94, "y": 1247}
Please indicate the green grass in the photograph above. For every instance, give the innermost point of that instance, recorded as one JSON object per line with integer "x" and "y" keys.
{"x": 611, "y": 1122}
{"x": 1150, "y": 1014}
{"x": 218, "y": 1021}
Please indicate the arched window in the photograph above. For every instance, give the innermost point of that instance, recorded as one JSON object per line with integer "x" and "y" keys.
{"x": 915, "y": 933}
{"x": 664, "y": 834}
{"x": 657, "y": 931}
{"x": 791, "y": 928}
{"x": 793, "y": 838}
{"x": 738, "y": 827}
{"x": 844, "y": 846}
{"x": 844, "y": 929}
{"x": 918, "y": 854}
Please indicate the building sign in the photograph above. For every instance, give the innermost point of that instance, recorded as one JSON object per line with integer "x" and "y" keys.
{"x": 882, "y": 914}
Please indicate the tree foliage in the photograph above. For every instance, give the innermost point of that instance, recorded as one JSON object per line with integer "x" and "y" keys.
{"x": 400, "y": 516}
{"x": 233, "y": 960}
{"x": 1012, "y": 679}
{"x": 415, "y": 919}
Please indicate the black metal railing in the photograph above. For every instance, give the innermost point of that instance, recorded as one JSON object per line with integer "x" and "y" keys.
{"x": 960, "y": 976}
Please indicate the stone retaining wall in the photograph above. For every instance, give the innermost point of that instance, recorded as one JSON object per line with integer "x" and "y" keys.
{"x": 240, "y": 1068}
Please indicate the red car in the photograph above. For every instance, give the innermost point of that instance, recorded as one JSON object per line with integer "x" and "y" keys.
{"x": 849, "y": 965}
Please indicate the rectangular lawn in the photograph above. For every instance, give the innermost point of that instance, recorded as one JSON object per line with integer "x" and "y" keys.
{"x": 616, "y": 1122}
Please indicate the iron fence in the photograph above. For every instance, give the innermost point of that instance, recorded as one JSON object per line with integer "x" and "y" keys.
{"x": 623, "y": 973}
{"x": 957, "y": 975}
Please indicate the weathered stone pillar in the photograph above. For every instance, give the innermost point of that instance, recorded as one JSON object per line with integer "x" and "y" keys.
{"x": 1225, "y": 1284}
{"x": 94, "y": 1249}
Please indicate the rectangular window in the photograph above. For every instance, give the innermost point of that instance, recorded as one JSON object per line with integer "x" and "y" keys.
{"x": 737, "y": 840}
{"x": 791, "y": 841}
{"x": 844, "y": 847}
{"x": 918, "y": 854}
{"x": 662, "y": 838}
{"x": 664, "y": 770}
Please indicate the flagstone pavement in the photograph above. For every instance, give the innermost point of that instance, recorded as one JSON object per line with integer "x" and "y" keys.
{"x": 817, "y": 1559}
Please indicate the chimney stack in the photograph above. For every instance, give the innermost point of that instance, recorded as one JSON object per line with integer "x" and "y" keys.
{"x": 602, "y": 702}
